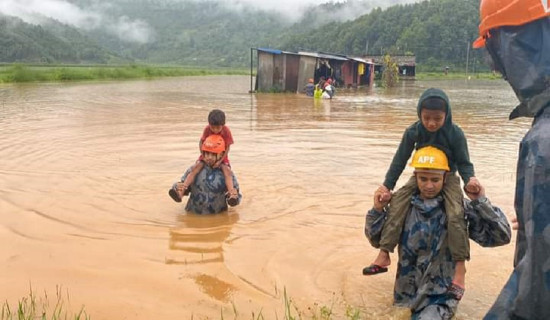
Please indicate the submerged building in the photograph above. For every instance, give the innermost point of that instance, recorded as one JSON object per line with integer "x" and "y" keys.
{"x": 405, "y": 63}
{"x": 285, "y": 71}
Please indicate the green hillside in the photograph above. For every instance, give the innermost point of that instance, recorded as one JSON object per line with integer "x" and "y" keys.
{"x": 211, "y": 33}
{"x": 51, "y": 42}
{"x": 438, "y": 32}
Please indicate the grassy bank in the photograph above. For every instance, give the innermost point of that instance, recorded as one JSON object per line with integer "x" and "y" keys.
{"x": 42, "y": 307}
{"x": 457, "y": 76}
{"x": 29, "y": 73}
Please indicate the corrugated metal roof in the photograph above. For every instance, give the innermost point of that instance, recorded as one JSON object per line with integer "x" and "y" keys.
{"x": 322, "y": 55}
{"x": 274, "y": 51}
{"x": 309, "y": 54}
{"x": 360, "y": 60}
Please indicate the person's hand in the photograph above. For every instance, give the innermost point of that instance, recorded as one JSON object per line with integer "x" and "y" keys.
{"x": 217, "y": 164}
{"x": 515, "y": 223}
{"x": 385, "y": 193}
{"x": 475, "y": 195}
{"x": 473, "y": 186}
{"x": 381, "y": 199}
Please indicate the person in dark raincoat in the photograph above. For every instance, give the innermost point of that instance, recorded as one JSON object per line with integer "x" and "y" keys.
{"x": 517, "y": 36}
{"x": 208, "y": 192}
{"x": 425, "y": 268}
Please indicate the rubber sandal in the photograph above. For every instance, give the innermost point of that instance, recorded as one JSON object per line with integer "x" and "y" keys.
{"x": 173, "y": 192}
{"x": 374, "y": 269}
{"x": 456, "y": 291}
{"x": 233, "y": 199}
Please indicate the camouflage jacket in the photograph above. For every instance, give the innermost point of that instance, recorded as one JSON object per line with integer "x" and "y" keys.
{"x": 425, "y": 268}
{"x": 207, "y": 193}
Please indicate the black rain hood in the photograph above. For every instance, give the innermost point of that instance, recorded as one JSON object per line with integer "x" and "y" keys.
{"x": 522, "y": 55}
{"x": 436, "y": 93}
{"x": 447, "y": 129}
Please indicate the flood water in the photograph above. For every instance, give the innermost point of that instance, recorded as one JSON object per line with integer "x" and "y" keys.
{"x": 85, "y": 169}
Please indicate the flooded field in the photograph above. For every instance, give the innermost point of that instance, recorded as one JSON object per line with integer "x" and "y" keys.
{"x": 85, "y": 169}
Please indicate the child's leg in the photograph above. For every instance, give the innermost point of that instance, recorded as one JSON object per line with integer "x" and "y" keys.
{"x": 391, "y": 233}
{"x": 199, "y": 165}
{"x": 180, "y": 189}
{"x": 228, "y": 177}
{"x": 459, "y": 243}
{"x": 232, "y": 193}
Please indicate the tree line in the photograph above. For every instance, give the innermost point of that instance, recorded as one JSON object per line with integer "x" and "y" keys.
{"x": 211, "y": 33}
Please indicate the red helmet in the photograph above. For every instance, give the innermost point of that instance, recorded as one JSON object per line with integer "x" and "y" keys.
{"x": 498, "y": 13}
{"x": 213, "y": 143}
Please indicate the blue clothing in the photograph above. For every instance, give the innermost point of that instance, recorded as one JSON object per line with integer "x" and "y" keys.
{"x": 309, "y": 88}
{"x": 520, "y": 53}
{"x": 526, "y": 295}
{"x": 207, "y": 192}
{"x": 425, "y": 268}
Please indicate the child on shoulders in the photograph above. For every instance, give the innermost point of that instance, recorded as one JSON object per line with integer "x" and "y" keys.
{"x": 216, "y": 125}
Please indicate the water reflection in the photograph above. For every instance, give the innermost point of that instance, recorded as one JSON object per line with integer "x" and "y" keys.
{"x": 214, "y": 287}
{"x": 199, "y": 239}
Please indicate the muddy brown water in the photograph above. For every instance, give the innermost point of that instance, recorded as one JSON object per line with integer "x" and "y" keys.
{"x": 85, "y": 169}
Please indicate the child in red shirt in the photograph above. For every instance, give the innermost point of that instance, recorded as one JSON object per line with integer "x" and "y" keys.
{"x": 216, "y": 125}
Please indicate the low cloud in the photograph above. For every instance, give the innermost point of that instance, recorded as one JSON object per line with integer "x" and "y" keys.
{"x": 131, "y": 30}
{"x": 98, "y": 13}
{"x": 294, "y": 10}
{"x": 95, "y": 17}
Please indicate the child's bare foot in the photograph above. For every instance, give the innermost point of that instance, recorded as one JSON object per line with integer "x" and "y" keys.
{"x": 460, "y": 274}
{"x": 383, "y": 259}
{"x": 457, "y": 287}
{"x": 379, "y": 265}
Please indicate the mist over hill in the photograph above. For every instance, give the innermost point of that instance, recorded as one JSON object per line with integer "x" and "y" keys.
{"x": 221, "y": 32}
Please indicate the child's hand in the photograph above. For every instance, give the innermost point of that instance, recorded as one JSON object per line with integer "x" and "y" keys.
{"x": 378, "y": 203}
{"x": 384, "y": 194}
{"x": 473, "y": 186}
{"x": 217, "y": 164}
{"x": 474, "y": 189}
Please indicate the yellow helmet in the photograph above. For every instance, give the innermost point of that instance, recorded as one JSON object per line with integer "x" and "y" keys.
{"x": 430, "y": 158}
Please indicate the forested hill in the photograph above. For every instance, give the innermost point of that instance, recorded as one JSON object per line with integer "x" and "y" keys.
{"x": 439, "y": 32}
{"x": 51, "y": 42}
{"x": 211, "y": 33}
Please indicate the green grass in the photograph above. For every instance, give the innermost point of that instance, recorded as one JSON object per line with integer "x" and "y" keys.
{"x": 456, "y": 76}
{"x": 32, "y": 307}
{"x": 30, "y": 73}
{"x": 292, "y": 312}
{"x": 44, "y": 307}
